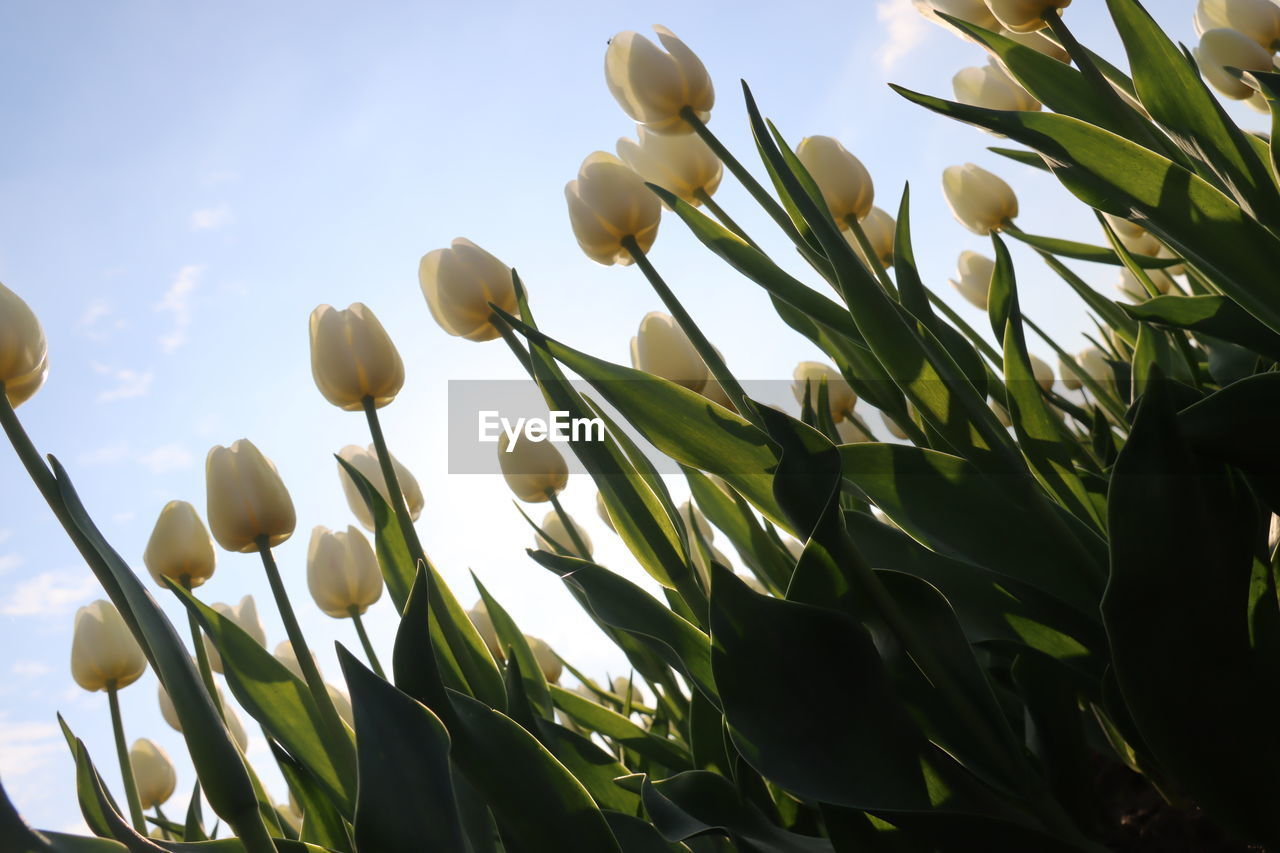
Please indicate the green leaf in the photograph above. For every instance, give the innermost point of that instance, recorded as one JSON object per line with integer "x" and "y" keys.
{"x": 591, "y": 765}
{"x": 322, "y": 824}
{"x": 393, "y": 551}
{"x": 621, "y": 730}
{"x": 405, "y": 799}
{"x": 512, "y": 640}
{"x": 193, "y": 826}
{"x": 732, "y": 514}
{"x": 61, "y": 842}
{"x": 1213, "y": 315}
{"x": 1087, "y": 252}
{"x": 639, "y": 836}
{"x": 1017, "y": 155}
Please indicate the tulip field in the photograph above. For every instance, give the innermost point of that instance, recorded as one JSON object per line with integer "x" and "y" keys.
{"x": 976, "y": 601}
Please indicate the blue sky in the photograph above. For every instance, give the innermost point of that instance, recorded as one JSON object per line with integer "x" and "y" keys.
{"x": 183, "y": 183}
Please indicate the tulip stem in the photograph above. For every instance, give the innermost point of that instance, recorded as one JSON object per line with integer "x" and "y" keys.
{"x": 509, "y": 335}
{"x": 162, "y": 821}
{"x": 725, "y": 219}
{"x": 700, "y": 343}
{"x": 969, "y": 332}
{"x": 364, "y": 641}
{"x": 583, "y": 551}
{"x": 395, "y": 496}
{"x": 202, "y": 656}
{"x": 869, "y": 255}
{"x": 310, "y": 672}
{"x": 126, "y": 766}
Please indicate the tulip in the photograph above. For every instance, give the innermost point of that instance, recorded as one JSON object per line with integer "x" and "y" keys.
{"x": 1257, "y": 19}
{"x": 990, "y": 86}
{"x": 1025, "y": 16}
{"x": 180, "y": 547}
{"x": 974, "y": 272}
{"x": 342, "y": 572}
{"x": 794, "y": 547}
{"x": 609, "y": 207}
{"x": 661, "y": 348}
{"x": 534, "y": 470}
{"x": 479, "y": 616}
{"x": 1041, "y": 370}
{"x": 342, "y": 704}
{"x": 715, "y": 392}
{"x": 1223, "y": 48}
{"x": 1096, "y": 365}
{"x": 286, "y": 655}
{"x": 691, "y": 516}
{"x": 229, "y": 715}
{"x": 1175, "y": 269}
{"x": 1124, "y": 228}
{"x": 683, "y": 165}
{"x": 851, "y": 432}
{"x": 809, "y": 375}
{"x": 247, "y": 500}
{"x": 879, "y": 229}
{"x": 1037, "y": 42}
{"x": 980, "y": 201}
{"x": 845, "y": 183}
{"x": 366, "y": 462}
{"x": 654, "y": 87}
{"x": 104, "y": 654}
{"x": 603, "y": 512}
{"x": 245, "y": 615}
{"x": 153, "y": 773}
{"x": 554, "y": 527}
{"x": 892, "y": 425}
{"x": 970, "y": 11}
{"x": 1069, "y": 377}
{"x": 352, "y": 357}
{"x": 24, "y": 355}
{"x": 1135, "y": 291}
{"x": 547, "y": 659}
{"x": 459, "y": 283}
{"x": 1001, "y": 413}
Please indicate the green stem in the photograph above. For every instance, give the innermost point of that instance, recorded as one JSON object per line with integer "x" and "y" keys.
{"x": 394, "y": 496}
{"x": 310, "y": 672}
{"x": 719, "y": 213}
{"x": 162, "y": 821}
{"x": 364, "y": 641}
{"x": 202, "y": 655}
{"x": 509, "y": 335}
{"x": 700, "y": 343}
{"x": 869, "y": 256}
{"x": 987, "y": 350}
{"x": 581, "y": 546}
{"x": 126, "y": 766}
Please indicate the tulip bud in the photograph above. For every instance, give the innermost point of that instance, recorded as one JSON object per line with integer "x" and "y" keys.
{"x": 341, "y": 704}
{"x": 845, "y": 183}
{"x": 892, "y": 425}
{"x": 245, "y": 615}
{"x": 1135, "y": 291}
{"x": 880, "y": 229}
{"x": 180, "y": 547}
{"x": 366, "y": 462}
{"x": 104, "y": 653}
{"x": 1175, "y": 269}
{"x": 342, "y": 572}
{"x": 989, "y": 86}
{"x": 534, "y": 470}
{"x": 153, "y": 773}
{"x": 1095, "y": 363}
{"x": 809, "y": 375}
{"x": 851, "y": 433}
{"x": 352, "y": 357}
{"x": 1069, "y": 377}
{"x": 1124, "y": 228}
{"x": 980, "y": 201}
{"x": 661, "y": 348}
{"x": 692, "y": 517}
{"x": 715, "y": 393}
{"x": 970, "y": 11}
{"x": 554, "y": 527}
{"x": 479, "y": 616}
{"x": 289, "y": 658}
{"x": 683, "y": 165}
{"x": 247, "y": 500}
{"x": 1041, "y": 370}
{"x": 653, "y": 87}
{"x": 1257, "y": 19}
{"x": 234, "y": 725}
{"x": 609, "y": 203}
{"x": 24, "y": 355}
{"x": 459, "y": 283}
{"x": 1001, "y": 413}
{"x": 1223, "y": 48}
{"x": 547, "y": 659}
{"x": 1025, "y": 16}
{"x": 974, "y": 272}
{"x": 1039, "y": 43}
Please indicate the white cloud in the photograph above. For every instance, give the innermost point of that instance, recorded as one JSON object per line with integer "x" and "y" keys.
{"x": 128, "y": 382}
{"x": 92, "y": 320}
{"x": 904, "y": 29}
{"x": 8, "y": 562}
{"x": 49, "y": 593}
{"x": 27, "y": 746}
{"x": 177, "y": 301}
{"x": 212, "y": 218}
{"x": 167, "y": 457}
{"x": 108, "y": 454}
{"x": 30, "y": 668}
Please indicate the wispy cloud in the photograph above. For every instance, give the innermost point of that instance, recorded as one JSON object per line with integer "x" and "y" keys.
{"x": 48, "y": 593}
{"x": 108, "y": 454}
{"x": 127, "y": 382}
{"x": 212, "y": 218}
{"x": 94, "y": 322}
{"x": 177, "y": 301}
{"x": 30, "y": 668}
{"x": 9, "y": 562}
{"x": 167, "y": 457}
{"x": 27, "y": 746}
{"x": 904, "y": 29}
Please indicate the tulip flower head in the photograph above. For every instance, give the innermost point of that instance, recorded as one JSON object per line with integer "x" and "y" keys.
{"x": 104, "y": 654}
{"x": 547, "y": 659}
{"x": 845, "y": 183}
{"x": 352, "y": 357}
{"x": 460, "y": 282}
{"x": 1096, "y": 365}
{"x": 234, "y": 726}
{"x": 683, "y": 165}
{"x": 991, "y": 87}
{"x": 851, "y": 433}
{"x": 653, "y": 85}
{"x": 479, "y": 616}
{"x": 245, "y": 615}
{"x": 180, "y": 547}
{"x": 554, "y": 527}
{"x": 969, "y": 11}
{"x": 979, "y": 200}
{"x": 661, "y": 348}
{"x": 341, "y": 704}
{"x": 285, "y": 654}
{"x": 807, "y": 378}
{"x": 692, "y": 518}
{"x": 1257, "y": 19}
{"x": 1042, "y": 371}
{"x": 973, "y": 278}
{"x": 1069, "y": 377}
{"x": 153, "y": 773}
{"x": 1221, "y": 49}
{"x": 1025, "y": 16}
{"x": 342, "y": 572}
{"x": 880, "y": 230}
{"x": 892, "y": 425}
{"x": 247, "y": 500}
{"x": 1039, "y": 43}
{"x": 609, "y": 207}
{"x": 534, "y": 470}
{"x": 1135, "y": 291}
{"x": 24, "y": 355}
{"x": 366, "y": 462}
{"x": 1001, "y": 413}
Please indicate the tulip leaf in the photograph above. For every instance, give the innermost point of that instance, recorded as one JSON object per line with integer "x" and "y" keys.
{"x": 512, "y": 641}
{"x": 732, "y": 514}
{"x": 1217, "y": 316}
{"x": 281, "y": 702}
{"x": 405, "y": 798}
{"x": 639, "y": 836}
{"x": 1087, "y": 252}
{"x": 1017, "y": 155}
{"x": 536, "y": 801}
{"x": 322, "y": 824}
{"x": 594, "y": 768}
{"x": 61, "y": 842}
{"x": 621, "y": 730}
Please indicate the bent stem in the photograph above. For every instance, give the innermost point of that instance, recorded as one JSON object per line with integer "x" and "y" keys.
{"x": 364, "y": 641}
{"x": 579, "y": 545}
{"x": 708, "y": 353}
{"x": 126, "y": 766}
{"x": 394, "y": 496}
